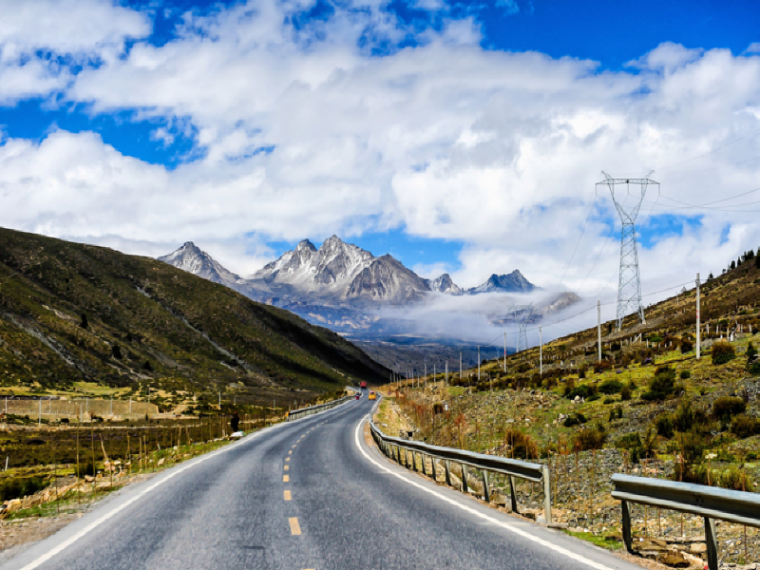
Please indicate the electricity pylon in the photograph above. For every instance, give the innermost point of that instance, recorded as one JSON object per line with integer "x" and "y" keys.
{"x": 628, "y": 204}
{"x": 525, "y": 312}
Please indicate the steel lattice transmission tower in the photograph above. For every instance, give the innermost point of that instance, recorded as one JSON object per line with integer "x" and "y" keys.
{"x": 523, "y": 314}
{"x": 628, "y": 201}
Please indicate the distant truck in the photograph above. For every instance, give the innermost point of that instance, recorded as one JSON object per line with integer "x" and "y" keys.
{"x": 363, "y": 385}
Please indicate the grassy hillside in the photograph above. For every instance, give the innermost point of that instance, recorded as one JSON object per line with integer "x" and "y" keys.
{"x": 73, "y": 314}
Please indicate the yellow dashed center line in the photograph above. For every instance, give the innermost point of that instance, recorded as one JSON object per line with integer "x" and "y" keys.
{"x": 295, "y": 529}
{"x": 287, "y": 459}
{"x": 290, "y": 452}
{"x": 285, "y": 478}
{"x": 287, "y": 495}
{"x": 286, "y": 467}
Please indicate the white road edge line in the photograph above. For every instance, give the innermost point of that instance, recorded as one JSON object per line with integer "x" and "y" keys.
{"x": 505, "y": 525}
{"x": 71, "y": 540}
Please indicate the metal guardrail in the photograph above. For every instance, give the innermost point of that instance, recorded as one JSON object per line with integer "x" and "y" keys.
{"x": 533, "y": 472}
{"x": 295, "y": 414}
{"x": 708, "y": 502}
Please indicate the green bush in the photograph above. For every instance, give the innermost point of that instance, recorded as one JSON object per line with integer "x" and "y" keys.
{"x": 751, "y": 350}
{"x": 744, "y": 426}
{"x": 685, "y": 375}
{"x": 754, "y": 369}
{"x": 664, "y": 425}
{"x": 722, "y": 352}
{"x": 686, "y": 347}
{"x": 17, "y": 487}
{"x": 687, "y": 418}
{"x": 574, "y": 420}
{"x": 629, "y": 440}
{"x": 626, "y": 393}
{"x": 662, "y": 385}
{"x": 611, "y": 387}
{"x": 584, "y": 391}
{"x": 728, "y": 406}
{"x": 602, "y": 366}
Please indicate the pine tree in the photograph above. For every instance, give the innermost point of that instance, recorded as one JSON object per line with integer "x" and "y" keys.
{"x": 83, "y": 323}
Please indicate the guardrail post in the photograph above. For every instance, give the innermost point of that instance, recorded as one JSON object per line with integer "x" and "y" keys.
{"x": 414, "y": 462}
{"x": 513, "y": 495}
{"x": 447, "y": 468}
{"x": 711, "y": 540}
{"x": 464, "y": 478}
{"x": 432, "y": 465}
{"x": 547, "y": 496}
{"x": 627, "y": 538}
{"x": 486, "y": 490}
{"x": 424, "y": 467}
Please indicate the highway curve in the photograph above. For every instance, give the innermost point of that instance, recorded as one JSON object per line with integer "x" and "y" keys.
{"x": 310, "y": 494}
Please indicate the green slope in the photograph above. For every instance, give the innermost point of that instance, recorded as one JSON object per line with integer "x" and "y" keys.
{"x": 148, "y": 322}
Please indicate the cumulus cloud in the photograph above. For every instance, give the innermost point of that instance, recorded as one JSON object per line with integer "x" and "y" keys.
{"x": 359, "y": 122}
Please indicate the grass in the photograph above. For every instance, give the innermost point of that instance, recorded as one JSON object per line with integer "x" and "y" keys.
{"x": 601, "y": 541}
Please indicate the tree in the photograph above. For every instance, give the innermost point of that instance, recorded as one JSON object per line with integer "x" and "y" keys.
{"x": 710, "y": 277}
{"x": 733, "y": 265}
{"x": 757, "y": 261}
{"x": 83, "y": 323}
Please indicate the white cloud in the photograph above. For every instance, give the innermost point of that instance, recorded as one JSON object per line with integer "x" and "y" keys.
{"x": 302, "y": 133}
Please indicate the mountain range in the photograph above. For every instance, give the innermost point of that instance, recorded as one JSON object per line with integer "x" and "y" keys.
{"x": 343, "y": 287}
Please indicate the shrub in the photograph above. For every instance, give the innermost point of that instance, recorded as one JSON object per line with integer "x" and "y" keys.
{"x": 664, "y": 425}
{"x": 625, "y": 393}
{"x": 754, "y": 369}
{"x": 615, "y": 346}
{"x": 728, "y": 406}
{"x": 722, "y": 352}
{"x": 687, "y": 418}
{"x": 574, "y": 420}
{"x": 523, "y": 446}
{"x": 662, "y": 385}
{"x": 590, "y": 438}
{"x": 616, "y": 413}
{"x": 584, "y": 391}
{"x": 582, "y": 373}
{"x": 523, "y": 368}
{"x": 735, "y": 479}
{"x": 629, "y": 440}
{"x": 85, "y": 468}
{"x": 602, "y": 366}
{"x": 686, "y": 347}
{"x": 744, "y": 426}
{"x": 751, "y": 350}
{"x": 611, "y": 387}
{"x": 691, "y": 446}
{"x": 656, "y": 338}
{"x": 593, "y": 397}
{"x": 685, "y": 374}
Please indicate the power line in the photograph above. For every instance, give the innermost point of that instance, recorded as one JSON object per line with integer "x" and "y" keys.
{"x": 711, "y": 151}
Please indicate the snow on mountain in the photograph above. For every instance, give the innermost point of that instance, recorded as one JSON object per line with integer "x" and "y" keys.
{"x": 329, "y": 269}
{"x": 192, "y": 259}
{"x": 511, "y": 283}
{"x": 444, "y": 284}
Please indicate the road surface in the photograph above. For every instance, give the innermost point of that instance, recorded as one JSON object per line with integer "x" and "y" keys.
{"x": 310, "y": 494}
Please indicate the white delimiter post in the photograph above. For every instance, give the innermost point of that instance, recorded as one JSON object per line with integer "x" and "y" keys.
{"x": 699, "y": 326}
{"x": 599, "y": 327}
{"x": 540, "y": 351}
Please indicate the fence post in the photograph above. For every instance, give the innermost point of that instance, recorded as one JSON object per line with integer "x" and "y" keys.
{"x": 465, "y": 488}
{"x": 627, "y": 538}
{"x": 547, "y": 496}
{"x": 513, "y": 495}
{"x": 486, "y": 490}
{"x": 711, "y": 540}
{"x": 432, "y": 465}
{"x": 447, "y": 467}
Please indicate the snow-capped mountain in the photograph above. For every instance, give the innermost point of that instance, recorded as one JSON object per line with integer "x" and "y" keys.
{"x": 444, "y": 284}
{"x": 192, "y": 259}
{"x": 514, "y": 282}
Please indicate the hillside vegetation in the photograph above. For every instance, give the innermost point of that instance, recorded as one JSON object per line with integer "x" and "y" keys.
{"x": 648, "y": 407}
{"x": 79, "y": 318}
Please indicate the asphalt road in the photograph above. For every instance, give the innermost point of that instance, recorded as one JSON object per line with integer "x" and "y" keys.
{"x": 310, "y": 494}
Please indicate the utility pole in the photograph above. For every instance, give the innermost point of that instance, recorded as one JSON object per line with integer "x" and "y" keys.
{"x": 505, "y": 352}
{"x": 699, "y": 326}
{"x": 599, "y": 327}
{"x": 540, "y": 351}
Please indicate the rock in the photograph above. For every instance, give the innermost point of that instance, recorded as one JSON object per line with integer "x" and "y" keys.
{"x": 89, "y": 478}
{"x": 674, "y": 559}
{"x": 698, "y": 547}
{"x": 160, "y": 462}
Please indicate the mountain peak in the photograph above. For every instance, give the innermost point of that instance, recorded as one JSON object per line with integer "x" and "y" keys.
{"x": 445, "y": 284}
{"x": 513, "y": 282}
{"x": 305, "y": 244}
{"x": 192, "y": 259}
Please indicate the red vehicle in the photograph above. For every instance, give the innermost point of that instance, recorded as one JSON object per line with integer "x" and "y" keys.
{"x": 363, "y": 385}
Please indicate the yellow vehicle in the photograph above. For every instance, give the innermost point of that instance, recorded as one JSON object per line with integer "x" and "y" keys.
{"x": 372, "y": 396}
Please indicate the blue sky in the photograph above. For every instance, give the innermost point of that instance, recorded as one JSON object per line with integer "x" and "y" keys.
{"x": 457, "y": 136}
